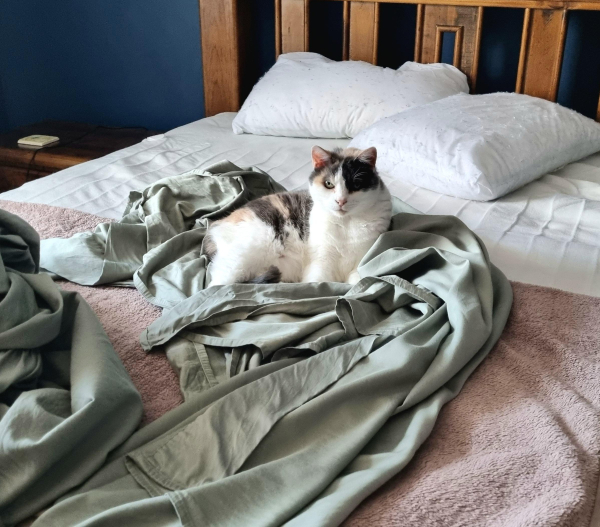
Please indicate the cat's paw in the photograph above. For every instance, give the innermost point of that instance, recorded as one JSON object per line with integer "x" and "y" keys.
{"x": 354, "y": 278}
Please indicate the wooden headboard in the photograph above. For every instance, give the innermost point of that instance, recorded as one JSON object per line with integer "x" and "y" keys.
{"x": 225, "y": 36}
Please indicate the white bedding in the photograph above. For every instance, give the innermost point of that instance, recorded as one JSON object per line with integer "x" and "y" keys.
{"x": 546, "y": 233}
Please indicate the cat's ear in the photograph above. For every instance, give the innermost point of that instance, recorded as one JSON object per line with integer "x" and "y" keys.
{"x": 320, "y": 157}
{"x": 368, "y": 156}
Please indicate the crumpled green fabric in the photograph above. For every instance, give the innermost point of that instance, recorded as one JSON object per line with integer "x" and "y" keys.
{"x": 156, "y": 246}
{"x": 66, "y": 400}
{"x": 157, "y": 242}
{"x": 333, "y": 388}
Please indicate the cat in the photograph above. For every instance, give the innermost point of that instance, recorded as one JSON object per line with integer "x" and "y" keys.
{"x": 319, "y": 235}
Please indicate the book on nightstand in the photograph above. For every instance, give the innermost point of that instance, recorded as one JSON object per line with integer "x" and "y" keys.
{"x": 37, "y": 140}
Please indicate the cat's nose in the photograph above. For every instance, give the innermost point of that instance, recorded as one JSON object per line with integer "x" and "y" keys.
{"x": 341, "y": 202}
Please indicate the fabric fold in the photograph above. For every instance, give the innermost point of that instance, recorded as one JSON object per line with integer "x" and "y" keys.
{"x": 65, "y": 398}
{"x": 221, "y": 446}
{"x": 301, "y": 399}
{"x": 156, "y": 246}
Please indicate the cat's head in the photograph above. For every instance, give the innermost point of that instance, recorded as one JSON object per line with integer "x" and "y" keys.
{"x": 345, "y": 182}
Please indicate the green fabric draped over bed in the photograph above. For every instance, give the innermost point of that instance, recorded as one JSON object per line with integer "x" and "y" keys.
{"x": 301, "y": 399}
{"x": 66, "y": 400}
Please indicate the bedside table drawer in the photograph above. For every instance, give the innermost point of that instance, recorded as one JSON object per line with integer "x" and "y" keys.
{"x": 13, "y": 177}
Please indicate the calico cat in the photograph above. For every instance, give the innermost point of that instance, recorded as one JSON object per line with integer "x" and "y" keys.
{"x": 315, "y": 236}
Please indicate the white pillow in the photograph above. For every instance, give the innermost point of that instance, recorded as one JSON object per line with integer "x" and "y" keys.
{"x": 308, "y": 95}
{"x": 479, "y": 147}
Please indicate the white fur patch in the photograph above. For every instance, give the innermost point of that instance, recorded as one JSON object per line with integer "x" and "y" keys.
{"x": 341, "y": 236}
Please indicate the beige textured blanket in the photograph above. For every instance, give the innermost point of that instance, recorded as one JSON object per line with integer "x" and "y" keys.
{"x": 519, "y": 446}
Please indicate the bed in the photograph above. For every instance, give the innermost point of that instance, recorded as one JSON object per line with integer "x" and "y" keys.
{"x": 488, "y": 470}
{"x": 547, "y": 233}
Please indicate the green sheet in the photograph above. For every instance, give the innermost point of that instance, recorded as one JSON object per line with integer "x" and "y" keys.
{"x": 156, "y": 244}
{"x": 65, "y": 398}
{"x": 301, "y": 399}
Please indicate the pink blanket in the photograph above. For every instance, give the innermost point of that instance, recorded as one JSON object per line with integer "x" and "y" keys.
{"x": 520, "y": 445}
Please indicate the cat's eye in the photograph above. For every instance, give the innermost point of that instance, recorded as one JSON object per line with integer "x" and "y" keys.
{"x": 328, "y": 184}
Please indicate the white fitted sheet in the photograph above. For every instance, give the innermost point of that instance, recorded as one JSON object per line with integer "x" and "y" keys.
{"x": 546, "y": 233}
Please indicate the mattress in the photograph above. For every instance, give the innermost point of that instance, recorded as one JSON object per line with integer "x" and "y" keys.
{"x": 546, "y": 233}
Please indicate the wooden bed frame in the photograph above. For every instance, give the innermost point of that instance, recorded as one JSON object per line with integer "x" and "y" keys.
{"x": 225, "y": 36}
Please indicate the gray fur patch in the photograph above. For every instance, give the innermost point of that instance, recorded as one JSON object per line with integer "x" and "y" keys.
{"x": 298, "y": 205}
{"x": 268, "y": 213}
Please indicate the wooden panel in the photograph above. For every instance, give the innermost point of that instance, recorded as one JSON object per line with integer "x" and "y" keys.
{"x": 293, "y": 21}
{"x": 464, "y": 21}
{"x": 220, "y": 56}
{"x": 14, "y": 177}
{"x": 364, "y": 29}
{"x": 419, "y": 33}
{"x": 346, "y": 33}
{"x": 277, "y": 28}
{"x": 458, "y": 40}
{"x": 593, "y": 5}
{"x": 523, "y": 50}
{"x": 542, "y": 44}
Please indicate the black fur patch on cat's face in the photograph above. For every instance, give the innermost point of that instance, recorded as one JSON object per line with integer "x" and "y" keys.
{"x": 358, "y": 175}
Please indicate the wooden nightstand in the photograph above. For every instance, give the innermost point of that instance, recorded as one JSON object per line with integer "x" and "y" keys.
{"x": 78, "y": 143}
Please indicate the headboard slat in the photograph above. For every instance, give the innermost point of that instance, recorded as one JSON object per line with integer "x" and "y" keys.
{"x": 364, "y": 30}
{"x": 465, "y": 22}
{"x": 346, "y": 32}
{"x": 294, "y": 25}
{"x": 419, "y": 32}
{"x": 476, "y": 48}
{"x": 523, "y": 51}
{"x": 542, "y": 46}
{"x": 278, "y": 24}
{"x": 220, "y": 56}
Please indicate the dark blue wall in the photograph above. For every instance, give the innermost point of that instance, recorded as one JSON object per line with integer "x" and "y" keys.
{"x": 110, "y": 62}
{"x": 138, "y": 62}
